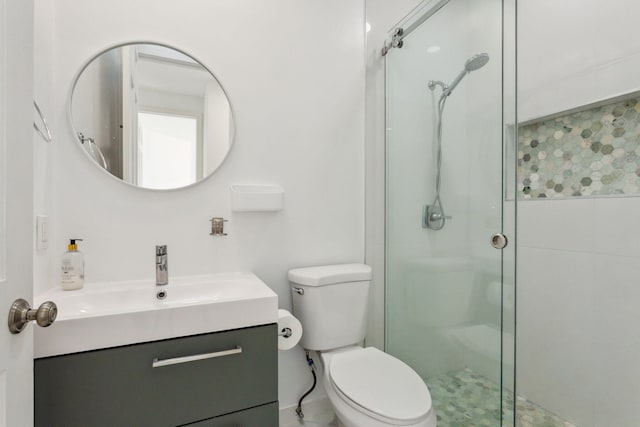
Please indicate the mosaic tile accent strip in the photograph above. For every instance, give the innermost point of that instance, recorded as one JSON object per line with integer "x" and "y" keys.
{"x": 466, "y": 399}
{"x": 589, "y": 153}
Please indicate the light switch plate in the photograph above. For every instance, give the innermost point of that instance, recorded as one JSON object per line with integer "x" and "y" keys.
{"x": 42, "y": 232}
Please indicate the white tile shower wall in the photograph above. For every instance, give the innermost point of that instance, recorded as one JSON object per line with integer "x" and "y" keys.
{"x": 577, "y": 300}
{"x": 564, "y": 63}
{"x": 559, "y": 225}
{"x": 294, "y": 72}
{"x": 577, "y": 259}
{"x": 554, "y": 340}
{"x": 615, "y": 336}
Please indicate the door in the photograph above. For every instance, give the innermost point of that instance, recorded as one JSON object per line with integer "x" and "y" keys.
{"x": 16, "y": 207}
{"x": 449, "y": 274}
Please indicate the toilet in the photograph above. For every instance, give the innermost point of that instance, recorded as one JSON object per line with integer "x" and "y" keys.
{"x": 366, "y": 387}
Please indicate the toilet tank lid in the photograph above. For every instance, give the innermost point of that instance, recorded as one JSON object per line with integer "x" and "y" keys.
{"x": 330, "y": 274}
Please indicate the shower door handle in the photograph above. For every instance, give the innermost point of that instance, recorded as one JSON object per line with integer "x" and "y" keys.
{"x": 499, "y": 240}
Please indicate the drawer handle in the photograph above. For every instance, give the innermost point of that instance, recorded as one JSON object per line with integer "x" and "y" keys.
{"x": 157, "y": 363}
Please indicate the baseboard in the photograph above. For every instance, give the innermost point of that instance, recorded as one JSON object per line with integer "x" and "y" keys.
{"x": 311, "y": 409}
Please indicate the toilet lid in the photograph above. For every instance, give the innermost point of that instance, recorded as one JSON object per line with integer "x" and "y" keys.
{"x": 381, "y": 384}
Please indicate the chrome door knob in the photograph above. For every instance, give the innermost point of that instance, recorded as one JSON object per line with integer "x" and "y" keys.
{"x": 21, "y": 313}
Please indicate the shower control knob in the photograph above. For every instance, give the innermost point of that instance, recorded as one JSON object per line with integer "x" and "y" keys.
{"x": 433, "y": 217}
{"x": 437, "y": 216}
{"x": 499, "y": 240}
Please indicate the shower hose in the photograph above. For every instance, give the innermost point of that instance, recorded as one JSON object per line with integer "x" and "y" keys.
{"x": 437, "y": 203}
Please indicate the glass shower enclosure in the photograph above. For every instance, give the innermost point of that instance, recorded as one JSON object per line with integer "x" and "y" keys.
{"x": 450, "y": 281}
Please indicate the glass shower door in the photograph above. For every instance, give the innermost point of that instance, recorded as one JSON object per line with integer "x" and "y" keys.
{"x": 450, "y": 295}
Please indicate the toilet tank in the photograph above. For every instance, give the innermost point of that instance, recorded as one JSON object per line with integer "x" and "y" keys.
{"x": 331, "y": 303}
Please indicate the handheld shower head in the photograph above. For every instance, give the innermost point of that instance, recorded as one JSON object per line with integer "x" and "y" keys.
{"x": 475, "y": 62}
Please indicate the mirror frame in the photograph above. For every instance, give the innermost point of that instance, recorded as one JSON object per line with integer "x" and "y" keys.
{"x": 88, "y": 62}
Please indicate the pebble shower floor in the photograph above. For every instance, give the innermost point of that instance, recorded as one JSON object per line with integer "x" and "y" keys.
{"x": 466, "y": 399}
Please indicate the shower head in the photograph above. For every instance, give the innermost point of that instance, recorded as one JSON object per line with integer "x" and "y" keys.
{"x": 475, "y": 62}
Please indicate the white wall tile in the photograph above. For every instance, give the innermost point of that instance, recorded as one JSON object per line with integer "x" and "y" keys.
{"x": 599, "y": 64}
{"x": 555, "y": 303}
{"x": 557, "y": 224}
{"x": 615, "y": 374}
{"x": 580, "y": 362}
{"x": 616, "y": 226}
{"x": 577, "y": 308}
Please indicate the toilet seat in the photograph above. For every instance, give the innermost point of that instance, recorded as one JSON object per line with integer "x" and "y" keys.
{"x": 379, "y": 385}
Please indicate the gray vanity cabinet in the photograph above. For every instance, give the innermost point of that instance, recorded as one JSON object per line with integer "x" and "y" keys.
{"x": 265, "y": 415}
{"x": 232, "y": 381}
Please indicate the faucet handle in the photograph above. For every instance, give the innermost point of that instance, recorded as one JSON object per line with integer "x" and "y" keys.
{"x": 161, "y": 250}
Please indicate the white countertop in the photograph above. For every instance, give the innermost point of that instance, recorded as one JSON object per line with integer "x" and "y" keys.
{"x": 111, "y": 314}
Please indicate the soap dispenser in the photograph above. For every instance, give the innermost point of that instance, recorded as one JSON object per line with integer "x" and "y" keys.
{"x": 72, "y": 267}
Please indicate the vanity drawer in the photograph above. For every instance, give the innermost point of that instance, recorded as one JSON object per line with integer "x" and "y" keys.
{"x": 262, "y": 416}
{"x": 232, "y": 370}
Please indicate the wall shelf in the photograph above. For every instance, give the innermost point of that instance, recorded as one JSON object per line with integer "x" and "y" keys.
{"x": 257, "y": 198}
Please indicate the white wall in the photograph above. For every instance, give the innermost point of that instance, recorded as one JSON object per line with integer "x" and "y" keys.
{"x": 43, "y": 268}
{"x": 577, "y": 259}
{"x": 294, "y": 72}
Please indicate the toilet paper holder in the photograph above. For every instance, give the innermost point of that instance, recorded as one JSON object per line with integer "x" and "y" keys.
{"x": 285, "y": 333}
{"x": 289, "y": 330}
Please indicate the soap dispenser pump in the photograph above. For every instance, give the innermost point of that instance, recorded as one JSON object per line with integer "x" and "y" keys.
{"x": 72, "y": 267}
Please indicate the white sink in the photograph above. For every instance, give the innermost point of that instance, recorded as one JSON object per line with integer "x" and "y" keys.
{"x": 111, "y": 314}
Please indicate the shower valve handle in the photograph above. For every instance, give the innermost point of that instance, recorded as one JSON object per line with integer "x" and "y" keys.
{"x": 433, "y": 218}
{"x": 437, "y": 216}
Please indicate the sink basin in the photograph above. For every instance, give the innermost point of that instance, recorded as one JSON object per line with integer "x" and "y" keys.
{"x": 112, "y": 314}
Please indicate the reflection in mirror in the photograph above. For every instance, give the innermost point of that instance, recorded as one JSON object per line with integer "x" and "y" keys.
{"x": 151, "y": 116}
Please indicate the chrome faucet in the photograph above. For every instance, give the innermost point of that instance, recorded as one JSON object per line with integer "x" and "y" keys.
{"x": 162, "y": 272}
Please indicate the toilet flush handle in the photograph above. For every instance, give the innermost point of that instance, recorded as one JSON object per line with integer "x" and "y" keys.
{"x": 297, "y": 290}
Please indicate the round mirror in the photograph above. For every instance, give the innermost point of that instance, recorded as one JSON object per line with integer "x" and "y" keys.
{"x": 151, "y": 116}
